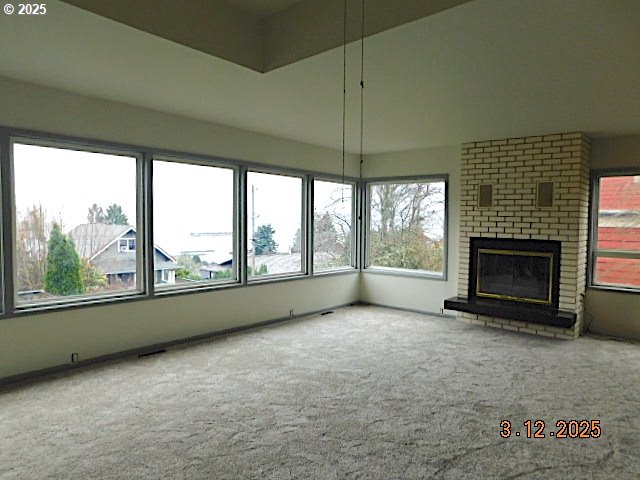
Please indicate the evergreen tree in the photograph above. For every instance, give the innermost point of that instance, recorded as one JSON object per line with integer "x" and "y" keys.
{"x": 93, "y": 279}
{"x": 64, "y": 270}
{"x": 55, "y": 239}
{"x": 115, "y": 215}
{"x": 263, "y": 243}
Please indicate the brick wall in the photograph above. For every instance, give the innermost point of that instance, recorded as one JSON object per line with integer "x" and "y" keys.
{"x": 513, "y": 167}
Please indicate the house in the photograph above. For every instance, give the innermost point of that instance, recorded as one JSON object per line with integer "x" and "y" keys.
{"x": 112, "y": 250}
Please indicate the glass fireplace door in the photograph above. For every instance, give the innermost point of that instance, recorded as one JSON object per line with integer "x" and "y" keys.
{"x": 515, "y": 275}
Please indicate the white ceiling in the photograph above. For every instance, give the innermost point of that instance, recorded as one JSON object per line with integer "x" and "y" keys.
{"x": 483, "y": 70}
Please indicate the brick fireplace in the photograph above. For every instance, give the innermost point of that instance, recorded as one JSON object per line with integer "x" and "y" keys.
{"x": 530, "y": 188}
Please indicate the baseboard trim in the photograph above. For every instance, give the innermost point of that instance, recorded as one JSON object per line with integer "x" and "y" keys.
{"x": 403, "y": 309}
{"x": 40, "y": 374}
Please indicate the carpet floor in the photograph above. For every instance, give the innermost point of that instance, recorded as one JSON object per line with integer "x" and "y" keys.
{"x": 365, "y": 392}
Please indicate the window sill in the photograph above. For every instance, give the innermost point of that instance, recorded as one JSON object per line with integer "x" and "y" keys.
{"x": 334, "y": 271}
{"x": 399, "y": 272}
{"x": 196, "y": 287}
{"x": 276, "y": 277}
{"x": 615, "y": 288}
{"x": 74, "y": 303}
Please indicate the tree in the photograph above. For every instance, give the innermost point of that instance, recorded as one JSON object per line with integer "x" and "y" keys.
{"x": 325, "y": 236}
{"x": 96, "y": 214}
{"x": 115, "y": 215}
{"x": 332, "y": 249}
{"x": 296, "y": 246}
{"x": 222, "y": 274}
{"x": 64, "y": 275}
{"x": 93, "y": 280}
{"x": 31, "y": 249}
{"x": 406, "y": 222}
{"x": 189, "y": 267}
{"x": 261, "y": 270}
{"x": 263, "y": 242}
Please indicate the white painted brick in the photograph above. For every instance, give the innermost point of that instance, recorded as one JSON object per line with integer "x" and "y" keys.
{"x": 513, "y": 166}
{"x": 528, "y": 330}
{"x": 493, "y": 325}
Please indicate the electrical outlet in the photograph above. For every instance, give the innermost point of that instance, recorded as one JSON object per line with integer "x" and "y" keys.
{"x": 74, "y": 358}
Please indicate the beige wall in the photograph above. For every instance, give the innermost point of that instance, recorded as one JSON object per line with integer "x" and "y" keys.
{"x": 34, "y": 342}
{"x": 28, "y": 106}
{"x": 423, "y": 294}
{"x": 615, "y": 152}
{"x": 608, "y": 312}
{"x": 30, "y": 343}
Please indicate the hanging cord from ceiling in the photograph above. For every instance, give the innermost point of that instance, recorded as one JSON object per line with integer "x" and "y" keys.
{"x": 344, "y": 91}
{"x": 362, "y": 91}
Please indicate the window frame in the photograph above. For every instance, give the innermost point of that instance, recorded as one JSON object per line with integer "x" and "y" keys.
{"x": 353, "y": 265}
{"x": 306, "y": 200}
{"x": 145, "y": 275}
{"x": 593, "y": 251}
{"x": 203, "y": 285}
{"x": 87, "y": 146}
{"x": 6, "y": 220}
{"x": 124, "y": 245}
{"x": 366, "y": 227}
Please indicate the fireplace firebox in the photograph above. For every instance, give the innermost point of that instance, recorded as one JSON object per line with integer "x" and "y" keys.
{"x": 514, "y": 279}
{"x": 526, "y": 271}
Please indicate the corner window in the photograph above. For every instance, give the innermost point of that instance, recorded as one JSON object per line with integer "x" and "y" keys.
{"x": 332, "y": 225}
{"x": 616, "y": 242}
{"x": 275, "y": 233}
{"x": 406, "y": 225}
{"x": 193, "y": 224}
{"x": 75, "y": 214}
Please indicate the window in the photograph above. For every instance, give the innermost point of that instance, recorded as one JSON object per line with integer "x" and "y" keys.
{"x": 127, "y": 245}
{"x": 406, "y": 225}
{"x": 193, "y": 224}
{"x": 73, "y": 209}
{"x": 616, "y": 234}
{"x": 80, "y": 212}
{"x": 275, "y": 233}
{"x": 332, "y": 221}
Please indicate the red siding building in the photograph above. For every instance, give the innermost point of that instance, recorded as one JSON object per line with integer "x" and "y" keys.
{"x": 619, "y": 229}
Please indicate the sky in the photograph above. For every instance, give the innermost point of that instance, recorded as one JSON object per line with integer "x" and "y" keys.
{"x": 68, "y": 182}
{"x": 188, "y": 198}
{"x": 278, "y": 202}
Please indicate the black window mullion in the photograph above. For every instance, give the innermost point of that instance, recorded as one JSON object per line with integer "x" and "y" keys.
{"x": 145, "y": 205}
{"x": 8, "y": 222}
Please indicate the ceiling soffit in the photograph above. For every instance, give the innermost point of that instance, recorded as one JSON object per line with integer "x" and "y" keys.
{"x": 230, "y": 31}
